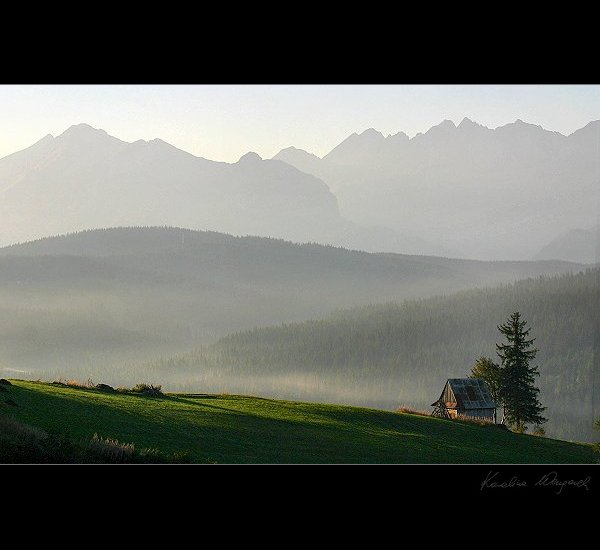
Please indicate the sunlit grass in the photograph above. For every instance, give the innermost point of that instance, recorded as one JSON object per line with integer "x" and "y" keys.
{"x": 239, "y": 429}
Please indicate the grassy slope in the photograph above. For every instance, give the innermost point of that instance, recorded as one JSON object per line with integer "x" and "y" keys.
{"x": 237, "y": 429}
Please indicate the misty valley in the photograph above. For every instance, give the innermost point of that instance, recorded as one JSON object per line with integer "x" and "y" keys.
{"x": 367, "y": 278}
{"x": 182, "y": 308}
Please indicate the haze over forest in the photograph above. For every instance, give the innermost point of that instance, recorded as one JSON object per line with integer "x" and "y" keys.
{"x": 129, "y": 261}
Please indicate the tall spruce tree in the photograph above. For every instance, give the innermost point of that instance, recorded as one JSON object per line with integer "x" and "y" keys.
{"x": 517, "y": 377}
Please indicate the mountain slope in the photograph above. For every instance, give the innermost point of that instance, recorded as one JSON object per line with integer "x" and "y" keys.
{"x": 306, "y": 162}
{"x": 490, "y": 193}
{"x": 578, "y": 245}
{"x": 402, "y": 353}
{"x": 85, "y": 178}
{"x": 237, "y": 429}
{"x": 108, "y": 299}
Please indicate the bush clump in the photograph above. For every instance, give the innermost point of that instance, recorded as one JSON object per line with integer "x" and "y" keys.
{"x": 148, "y": 389}
{"x": 24, "y": 444}
{"x": 181, "y": 457}
{"x": 111, "y": 450}
{"x": 72, "y": 383}
{"x": 539, "y": 431}
{"x": 410, "y": 410}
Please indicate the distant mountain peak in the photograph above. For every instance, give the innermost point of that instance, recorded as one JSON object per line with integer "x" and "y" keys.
{"x": 520, "y": 125}
{"x": 400, "y": 136}
{"x": 591, "y": 127}
{"x": 83, "y": 129}
{"x": 592, "y": 124}
{"x": 371, "y": 132}
{"x": 155, "y": 141}
{"x": 355, "y": 146}
{"x": 444, "y": 126}
{"x": 471, "y": 129}
{"x": 294, "y": 151}
{"x": 468, "y": 123}
{"x": 250, "y": 157}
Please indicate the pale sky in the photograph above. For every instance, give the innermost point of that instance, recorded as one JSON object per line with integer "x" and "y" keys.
{"x": 226, "y": 121}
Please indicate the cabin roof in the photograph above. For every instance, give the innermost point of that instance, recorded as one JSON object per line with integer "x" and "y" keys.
{"x": 469, "y": 393}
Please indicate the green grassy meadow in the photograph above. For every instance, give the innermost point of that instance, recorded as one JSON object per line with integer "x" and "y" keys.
{"x": 242, "y": 429}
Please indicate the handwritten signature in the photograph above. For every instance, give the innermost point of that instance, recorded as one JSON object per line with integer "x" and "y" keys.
{"x": 551, "y": 479}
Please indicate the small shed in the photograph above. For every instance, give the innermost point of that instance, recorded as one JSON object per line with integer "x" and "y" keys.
{"x": 465, "y": 397}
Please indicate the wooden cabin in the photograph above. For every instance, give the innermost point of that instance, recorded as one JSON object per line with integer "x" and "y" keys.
{"x": 465, "y": 397}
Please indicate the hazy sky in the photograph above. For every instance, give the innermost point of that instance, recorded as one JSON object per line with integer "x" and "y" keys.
{"x": 224, "y": 122}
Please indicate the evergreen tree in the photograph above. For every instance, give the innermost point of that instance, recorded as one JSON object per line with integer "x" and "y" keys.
{"x": 517, "y": 379}
{"x": 489, "y": 371}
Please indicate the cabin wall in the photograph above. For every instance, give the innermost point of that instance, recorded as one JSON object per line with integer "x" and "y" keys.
{"x": 448, "y": 395}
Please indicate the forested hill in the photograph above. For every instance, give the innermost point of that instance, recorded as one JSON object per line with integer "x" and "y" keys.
{"x": 74, "y": 304}
{"x": 391, "y": 354}
{"x": 256, "y": 261}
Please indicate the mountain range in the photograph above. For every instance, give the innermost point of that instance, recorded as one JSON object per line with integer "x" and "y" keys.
{"x": 487, "y": 193}
{"x": 461, "y": 191}
{"x": 87, "y": 179}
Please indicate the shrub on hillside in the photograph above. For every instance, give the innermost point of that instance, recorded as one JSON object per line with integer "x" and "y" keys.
{"x": 539, "y": 431}
{"x": 181, "y": 457}
{"x": 410, "y": 410}
{"x": 148, "y": 389}
{"x": 150, "y": 456}
{"x": 9, "y": 427}
{"x": 474, "y": 420}
{"x": 24, "y": 444}
{"x": 72, "y": 383}
{"x": 111, "y": 450}
{"x": 144, "y": 389}
{"x": 21, "y": 443}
